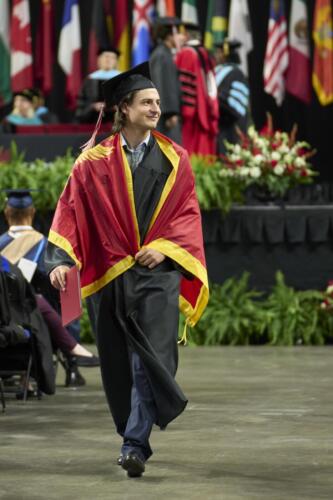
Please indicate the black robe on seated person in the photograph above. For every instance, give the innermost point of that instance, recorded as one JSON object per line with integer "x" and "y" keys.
{"x": 139, "y": 311}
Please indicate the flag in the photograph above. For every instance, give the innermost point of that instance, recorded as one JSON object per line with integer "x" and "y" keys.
{"x": 189, "y": 13}
{"x": 99, "y": 34}
{"x": 276, "y": 56}
{"x": 69, "y": 50}
{"x": 216, "y": 24}
{"x": 240, "y": 28}
{"x": 44, "y": 48}
{"x": 166, "y": 8}
{"x": 299, "y": 72}
{"x": 122, "y": 34}
{"x": 322, "y": 73}
{"x": 143, "y": 11}
{"x": 5, "y": 93}
{"x": 21, "y": 51}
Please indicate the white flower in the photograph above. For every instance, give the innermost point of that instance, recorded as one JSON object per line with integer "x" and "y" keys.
{"x": 329, "y": 289}
{"x": 258, "y": 159}
{"x": 279, "y": 169}
{"x": 283, "y": 149}
{"x": 234, "y": 157}
{"x": 255, "y": 172}
{"x": 261, "y": 143}
{"x": 237, "y": 149}
{"x": 300, "y": 162}
{"x": 243, "y": 171}
{"x": 288, "y": 159}
{"x": 276, "y": 156}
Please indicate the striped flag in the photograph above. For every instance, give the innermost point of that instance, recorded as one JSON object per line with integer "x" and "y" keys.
{"x": 299, "y": 71}
{"x": 69, "y": 50}
{"x": 322, "y": 74}
{"x": 217, "y": 22}
{"x": 240, "y": 28}
{"x": 21, "y": 51}
{"x": 276, "y": 56}
{"x": 166, "y": 8}
{"x": 5, "y": 93}
{"x": 143, "y": 12}
{"x": 122, "y": 34}
{"x": 189, "y": 13}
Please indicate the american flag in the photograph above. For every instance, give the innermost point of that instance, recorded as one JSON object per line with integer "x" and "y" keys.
{"x": 277, "y": 56}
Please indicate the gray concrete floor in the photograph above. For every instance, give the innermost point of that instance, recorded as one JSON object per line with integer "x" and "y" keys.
{"x": 259, "y": 425}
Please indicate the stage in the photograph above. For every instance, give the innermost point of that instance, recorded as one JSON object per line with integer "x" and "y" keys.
{"x": 258, "y": 426}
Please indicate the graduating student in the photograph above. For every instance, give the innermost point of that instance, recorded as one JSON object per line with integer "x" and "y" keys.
{"x": 233, "y": 94}
{"x": 164, "y": 73}
{"x": 129, "y": 219}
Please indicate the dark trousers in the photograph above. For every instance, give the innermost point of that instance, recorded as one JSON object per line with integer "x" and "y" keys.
{"x": 143, "y": 412}
{"x": 59, "y": 335}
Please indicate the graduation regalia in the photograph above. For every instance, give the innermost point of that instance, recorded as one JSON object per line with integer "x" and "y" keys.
{"x": 104, "y": 216}
{"x": 199, "y": 100}
{"x": 233, "y": 95}
{"x": 161, "y": 64}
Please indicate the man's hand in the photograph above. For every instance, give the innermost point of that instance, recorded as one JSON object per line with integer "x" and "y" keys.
{"x": 97, "y": 106}
{"x": 58, "y": 277}
{"x": 149, "y": 258}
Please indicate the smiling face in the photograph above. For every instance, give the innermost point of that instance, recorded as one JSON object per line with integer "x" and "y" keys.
{"x": 144, "y": 111}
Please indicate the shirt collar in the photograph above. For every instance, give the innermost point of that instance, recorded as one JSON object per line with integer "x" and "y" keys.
{"x": 124, "y": 143}
{"x": 14, "y": 229}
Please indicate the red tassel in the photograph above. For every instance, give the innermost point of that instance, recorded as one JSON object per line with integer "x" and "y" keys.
{"x": 91, "y": 143}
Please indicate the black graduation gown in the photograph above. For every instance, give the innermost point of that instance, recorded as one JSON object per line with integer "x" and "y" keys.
{"x": 234, "y": 113}
{"x": 164, "y": 74}
{"x": 90, "y": 93}
{"x": 139, "y": 311}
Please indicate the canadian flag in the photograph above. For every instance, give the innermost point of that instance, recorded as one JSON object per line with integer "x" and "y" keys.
{"x": 21, "y": 52}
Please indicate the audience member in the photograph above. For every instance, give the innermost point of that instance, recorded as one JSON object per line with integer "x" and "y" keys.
{"x": 90, "y": 99}
{"x": 41, "y": 111}
{"x": 23, "y": 112}
{"x": 199, "y": 108}
{"x": 22, "y": 241}
{"x": 164, "y": 74}
{"x": 233, "y": 94}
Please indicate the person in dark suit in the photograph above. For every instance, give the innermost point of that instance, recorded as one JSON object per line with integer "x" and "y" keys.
{"x": 164, "y": 73}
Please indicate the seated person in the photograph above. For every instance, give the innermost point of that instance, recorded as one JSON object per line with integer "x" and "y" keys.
{"x": 90, "y": 99}
{"x": 23, "y": 112}
{"x": 22, "y": 241}
{"x": 41, "y": 110}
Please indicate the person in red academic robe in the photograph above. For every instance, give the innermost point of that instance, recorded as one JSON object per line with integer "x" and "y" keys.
{"x": 129, "y": 219}
{"x": 199, "y": 108}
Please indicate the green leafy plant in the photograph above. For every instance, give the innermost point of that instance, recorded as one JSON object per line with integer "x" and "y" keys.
{"x": 213, "y": 190}
{"x": 293, "y": 316}
{"x": 47, "y": 177}
{"x": 233, "y": 316}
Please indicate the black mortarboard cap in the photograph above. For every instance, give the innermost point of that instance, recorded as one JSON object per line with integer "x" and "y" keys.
{"x": 26, "y": 93}
{"x": 137, "y": 78}
{"x": 229, "y": 45}
{"x": 190, "y": 26}
{"x": 19, "y": 198}
{"x": 108, "y": 48}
